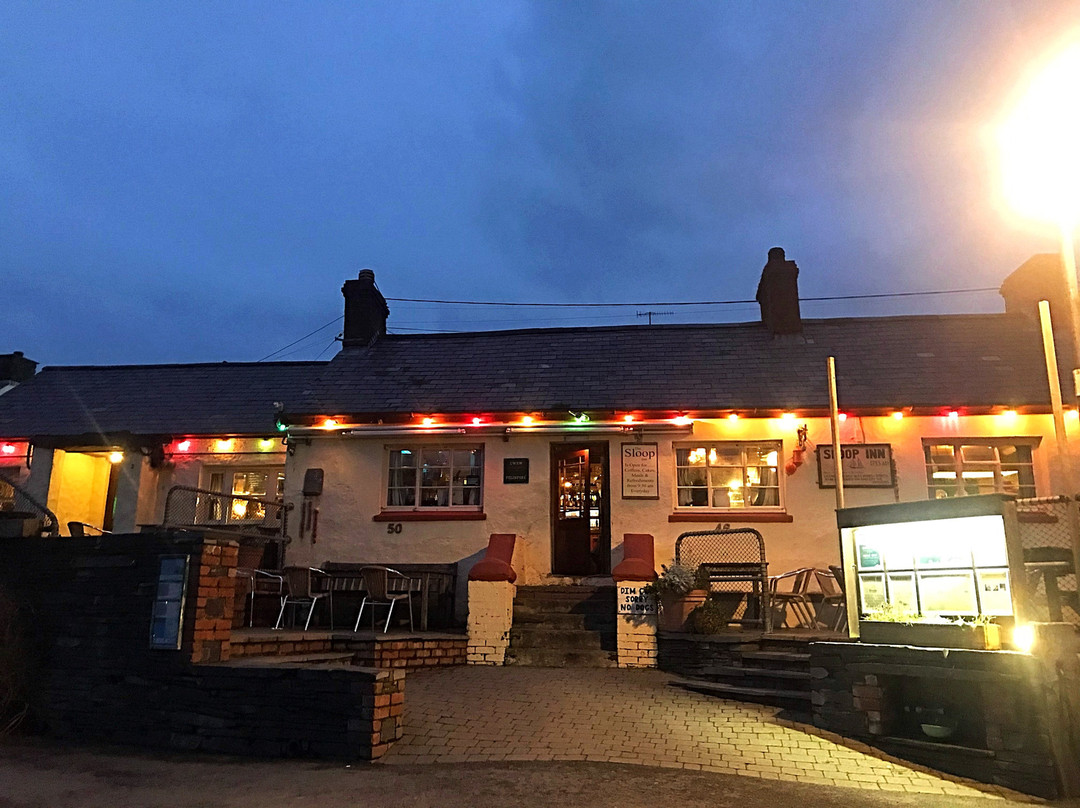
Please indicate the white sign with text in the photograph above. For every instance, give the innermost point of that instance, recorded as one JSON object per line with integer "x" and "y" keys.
{"x": 639, "y": 471}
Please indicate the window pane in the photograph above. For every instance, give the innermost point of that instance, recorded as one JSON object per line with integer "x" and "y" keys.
{"x": 402, "y": 458}
{"x": 436, "y": 457}
{"x": 434, "y": 497}
{"x": 726, "y": 477}
{"x": 726, "y": 456}
{"x": 694, "y": 496}
{"x": 401, "y": 496}
{"x": 984, "y": 454}
{"x": 466, "y": 458}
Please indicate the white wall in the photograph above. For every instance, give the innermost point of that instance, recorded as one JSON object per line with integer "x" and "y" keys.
{"x": 354, "y": 489}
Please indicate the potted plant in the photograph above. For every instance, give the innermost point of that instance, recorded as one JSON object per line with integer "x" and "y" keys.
{"x": 679, "y": 589}
{"x": 890, "y": 625}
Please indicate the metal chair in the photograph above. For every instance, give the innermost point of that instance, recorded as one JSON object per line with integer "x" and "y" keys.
{"x": 796, "y": 597}
{"x": 384, "y": 587}
{"x": 304, "y": 585}
{"x": 832, "y": 594}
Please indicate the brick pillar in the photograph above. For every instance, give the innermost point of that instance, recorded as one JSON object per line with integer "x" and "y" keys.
{"x": 214, "y": 598}
{"x": 388, "y": 710}
{"x": 491, "y": 611}
{"x": 635, "y": 619}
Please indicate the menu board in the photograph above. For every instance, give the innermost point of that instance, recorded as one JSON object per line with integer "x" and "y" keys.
{"x": 167, "y": 618}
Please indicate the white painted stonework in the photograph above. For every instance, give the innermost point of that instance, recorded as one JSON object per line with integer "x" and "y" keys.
{"x": 491, "y": 611}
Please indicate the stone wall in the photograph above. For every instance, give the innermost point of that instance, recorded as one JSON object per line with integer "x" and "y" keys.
{"x": 409, "y": 653}
{"x": 491, "y": 612}
{"x": 96, "y": 678}
{"x": 1001, "y": 708}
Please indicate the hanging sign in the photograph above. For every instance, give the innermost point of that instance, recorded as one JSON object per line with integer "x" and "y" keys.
{"x": 639, "y": 471}
{"x": 866, "y": 465}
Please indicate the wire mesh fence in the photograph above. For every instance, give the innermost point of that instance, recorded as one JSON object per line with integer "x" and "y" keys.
{"x": 1049, "y": 537}
{"x": 737, "y": 571}
{"x": 200, "y": 507}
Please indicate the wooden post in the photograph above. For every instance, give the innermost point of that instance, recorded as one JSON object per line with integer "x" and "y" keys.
{"x": 1060, "y": 435}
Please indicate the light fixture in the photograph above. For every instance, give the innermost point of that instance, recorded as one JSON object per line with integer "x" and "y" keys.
{"x": 787, "y": 416}
{"x": 477, "y": 421}
{"x": 628, "y": 419}
{"x": 527, "y": 420}
{"x": 682, "y": 420}
{"x": 224, "y": 445}
{"x": 842, "y": 416}
{"x": 954, "y": 415}
{"x": 183, "y": 446}
{"x": 1024, "y": 638}
{"x": 733, "y": 417}
{"x": 116, "y": 457}
{"x": 1009, "y": 415}
{"x": 266, "y": 444}
{"x": 329, "y": 423}
{"x": 7, "y": 448}
{"x": 428, "y": 421}
{"x": 898, "y": 416}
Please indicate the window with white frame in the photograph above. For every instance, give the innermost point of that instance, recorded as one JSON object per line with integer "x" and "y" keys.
{"x": 239, "y": 487}
{"x": 434, "y": 477}
{"x": 957, "y": 467}
{"x": 728, "y": 475}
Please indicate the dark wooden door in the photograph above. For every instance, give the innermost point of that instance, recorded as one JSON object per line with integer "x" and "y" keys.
{"x": 581, "y": 524}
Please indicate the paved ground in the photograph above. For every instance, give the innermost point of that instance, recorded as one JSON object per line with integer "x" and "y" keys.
{"x": 35, "y": 775}
{"x": 471, "y": 714}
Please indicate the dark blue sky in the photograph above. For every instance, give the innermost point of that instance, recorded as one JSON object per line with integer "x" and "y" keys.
{"x": 194, "y": 182}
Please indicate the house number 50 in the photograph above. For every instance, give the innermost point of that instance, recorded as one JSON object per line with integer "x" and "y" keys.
{"x": 393, "y": 527}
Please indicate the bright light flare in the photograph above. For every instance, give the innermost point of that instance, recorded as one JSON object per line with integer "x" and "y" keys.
{"x": 116, "y": 457}
{"x": 1024, "y": 638}
{"x": 1040, "y": 144}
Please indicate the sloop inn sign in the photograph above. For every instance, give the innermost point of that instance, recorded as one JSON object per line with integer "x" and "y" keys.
{"x": 866, "y": 465}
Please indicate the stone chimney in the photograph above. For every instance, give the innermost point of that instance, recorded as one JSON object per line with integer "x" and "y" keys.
{"x": 778, "y": 294}
{"x": 1041, "y": 277}
{"x": 15, "y": 369}
{"x": 365, "y": 311}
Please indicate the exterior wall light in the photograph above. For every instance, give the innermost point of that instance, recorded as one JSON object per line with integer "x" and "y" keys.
{"x": 898, "y": 416}
{"x": 224, "y": 445}
{"x": 183, "y": 446}
{"x": 116, "y": 457}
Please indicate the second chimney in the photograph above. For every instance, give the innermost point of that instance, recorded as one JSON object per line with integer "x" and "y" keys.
{"x": 365, "y": 311}
{"x": 778, "y": 294}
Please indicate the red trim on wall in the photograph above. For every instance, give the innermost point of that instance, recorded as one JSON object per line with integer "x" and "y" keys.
{"x": 734, "y": 518}
{"x": 427, "y": 516}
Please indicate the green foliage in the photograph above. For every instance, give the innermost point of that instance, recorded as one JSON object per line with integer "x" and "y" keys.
{"x": 677, "y": 581}
{"x": 711, "y": 617}
{"x": 890, "y": 613}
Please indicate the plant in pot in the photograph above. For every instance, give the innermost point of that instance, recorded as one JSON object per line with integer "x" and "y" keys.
{"x": 679, "y": 589}
{"x": 892, "y": 625}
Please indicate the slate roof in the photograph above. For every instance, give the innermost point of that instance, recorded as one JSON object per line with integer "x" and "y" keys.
{"x": 976, "y": 360}
{"x": 196, "y": 399}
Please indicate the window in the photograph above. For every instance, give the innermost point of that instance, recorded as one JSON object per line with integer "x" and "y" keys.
{"x": 435, "y": 477}
{"x": 957, "y": 468}
{"x": 728, "y": 475}
{"x": 262, "y": 483}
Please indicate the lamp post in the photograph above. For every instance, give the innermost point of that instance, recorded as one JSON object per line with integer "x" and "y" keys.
{"x": 1040, "y": 161}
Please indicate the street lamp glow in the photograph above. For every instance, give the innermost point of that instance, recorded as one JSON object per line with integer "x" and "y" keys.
{"x": 1040, "y": 144}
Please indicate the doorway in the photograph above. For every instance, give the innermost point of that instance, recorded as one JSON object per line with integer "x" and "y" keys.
{"x": 580, "y": 512}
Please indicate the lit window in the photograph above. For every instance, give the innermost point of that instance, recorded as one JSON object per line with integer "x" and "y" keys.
{"x": 728, "y": 475}
{"x": 978, "y": 466}
{"x": 243, "y": 492}
{"x": 434, "y": 477}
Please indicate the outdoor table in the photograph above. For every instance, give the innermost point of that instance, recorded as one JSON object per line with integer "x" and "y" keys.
{"x": 426, "y": 579}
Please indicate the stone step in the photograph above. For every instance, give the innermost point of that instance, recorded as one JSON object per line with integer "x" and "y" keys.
{"x": 522, "y": 637}
{"x": 746, "y": 672}
{"x": 778, "y": 697}
{"x": 297, "y": 659}
{"x": 557, "y": 658}
{"x": 558, "y": 620}
{"x": 563, "y": 600}
{"x": 779, "y": 658}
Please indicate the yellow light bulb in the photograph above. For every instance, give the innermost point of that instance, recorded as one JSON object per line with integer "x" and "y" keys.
{"x": 898, "y": 416}
{"x": 116, "y": 457}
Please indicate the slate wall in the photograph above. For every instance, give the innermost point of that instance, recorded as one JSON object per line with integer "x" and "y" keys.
{"x": 86, "y": 606}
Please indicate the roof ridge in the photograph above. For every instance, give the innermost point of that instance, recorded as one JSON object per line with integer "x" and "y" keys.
{"x": 223, "y": 363}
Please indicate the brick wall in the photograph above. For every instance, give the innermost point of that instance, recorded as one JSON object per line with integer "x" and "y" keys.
{"x": 96, "y": 678}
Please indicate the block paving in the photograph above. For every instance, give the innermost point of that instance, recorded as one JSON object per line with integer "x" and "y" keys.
{"x": 468, "y": 714}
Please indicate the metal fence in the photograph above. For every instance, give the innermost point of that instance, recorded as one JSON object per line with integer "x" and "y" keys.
{"x": 738, "y": 572}
{"x": 200, "y": 507}
{"x": 27, "y": 507}
{"x": 1050, "y": 535}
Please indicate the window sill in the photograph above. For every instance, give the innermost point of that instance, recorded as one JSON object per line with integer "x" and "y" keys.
{"x": 730, "y": 516}
{"x": 429, "y": 516}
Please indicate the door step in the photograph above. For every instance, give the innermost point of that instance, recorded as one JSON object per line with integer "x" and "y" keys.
{"x": 761, "y": 695}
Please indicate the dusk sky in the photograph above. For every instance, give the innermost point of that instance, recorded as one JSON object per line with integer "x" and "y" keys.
{"x": 194, "y": 182}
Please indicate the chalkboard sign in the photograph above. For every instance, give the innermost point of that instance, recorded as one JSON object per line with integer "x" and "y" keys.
{"x": 515, "y": 470}
{"x": 167, "y": 619}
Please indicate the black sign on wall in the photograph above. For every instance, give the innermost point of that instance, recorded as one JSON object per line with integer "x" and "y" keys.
{"x": 515, "y": 470}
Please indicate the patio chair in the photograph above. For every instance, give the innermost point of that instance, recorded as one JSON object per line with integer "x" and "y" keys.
{"x": 304, "y": 585}
{"x": 384, "y": 587}
{"x": 790, "y": 591}
{"x": 259, "y": 582}
{"x": 832, "y": 595}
